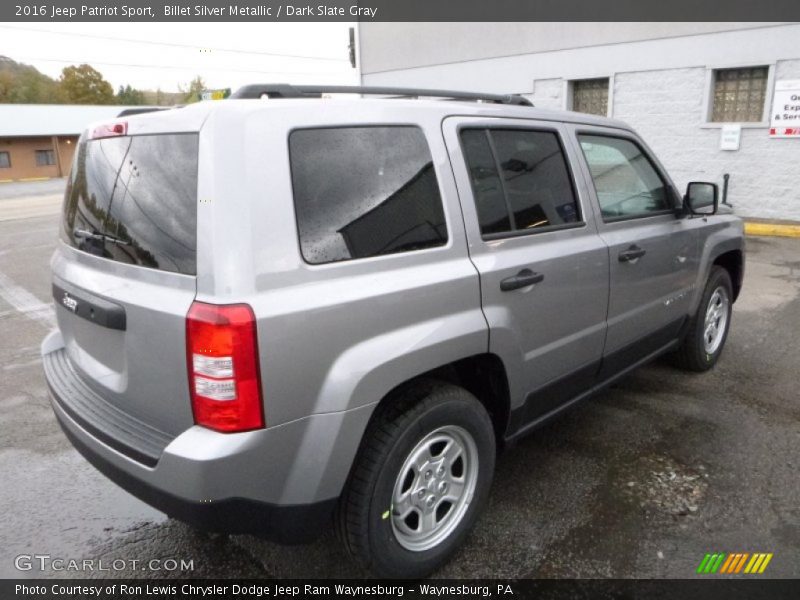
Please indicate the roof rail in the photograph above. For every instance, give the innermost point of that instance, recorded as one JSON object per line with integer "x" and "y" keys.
{"x": 285, "y": 90}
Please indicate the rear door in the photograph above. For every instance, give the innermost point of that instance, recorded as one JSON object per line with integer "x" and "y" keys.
{"x": 124, "y": 274}
{"x": 652, "y": 251}
{"x": 543, "y": 268}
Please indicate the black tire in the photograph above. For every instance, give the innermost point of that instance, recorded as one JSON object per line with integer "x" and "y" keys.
{"x": 692, "y": 354}
{"x": 365, "y": 519}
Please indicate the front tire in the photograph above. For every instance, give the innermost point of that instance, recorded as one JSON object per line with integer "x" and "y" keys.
{"x": 708, "y": 328}
{"x": 420, "y": 479}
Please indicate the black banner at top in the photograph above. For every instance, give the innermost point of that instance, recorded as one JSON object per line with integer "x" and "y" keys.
{"x": 398, "y": 10}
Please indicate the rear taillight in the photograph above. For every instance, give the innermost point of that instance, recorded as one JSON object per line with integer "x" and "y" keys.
{"x": 222, "y": 353}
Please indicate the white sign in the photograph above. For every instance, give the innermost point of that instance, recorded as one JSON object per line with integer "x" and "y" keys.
{"x": 730, "y": 137}
{"x": 785, "y": 119}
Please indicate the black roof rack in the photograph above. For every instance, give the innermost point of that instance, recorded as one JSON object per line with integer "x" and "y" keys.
{"x": 285, "y": 90}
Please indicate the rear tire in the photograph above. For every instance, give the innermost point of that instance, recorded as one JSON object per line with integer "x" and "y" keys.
{"x": 420, "y": 479}
{"x": 708, "y": 328}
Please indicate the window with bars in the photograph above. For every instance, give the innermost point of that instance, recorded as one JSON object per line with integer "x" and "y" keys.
{"x": 590, "y": 96}
{"x": 45, "y": 158}
{"x": 739, "y": 95}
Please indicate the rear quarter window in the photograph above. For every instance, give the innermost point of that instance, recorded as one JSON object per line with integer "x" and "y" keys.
{"x": 364, "y": 191}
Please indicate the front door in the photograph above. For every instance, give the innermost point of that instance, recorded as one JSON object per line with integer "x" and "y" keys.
{"x": 652, "y": 252}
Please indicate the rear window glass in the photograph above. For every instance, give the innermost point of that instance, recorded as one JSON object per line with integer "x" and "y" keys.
{"x": 364, "y": 191}
{"x": 490, "y": 199}
{"x": 520, "y": 180}
{"x": 134, "y": 200}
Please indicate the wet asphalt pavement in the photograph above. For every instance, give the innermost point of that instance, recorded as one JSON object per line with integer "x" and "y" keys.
{"x": 640, "y": 481}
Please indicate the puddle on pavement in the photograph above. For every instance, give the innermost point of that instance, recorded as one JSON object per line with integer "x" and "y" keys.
{"x": 664, "y": 485}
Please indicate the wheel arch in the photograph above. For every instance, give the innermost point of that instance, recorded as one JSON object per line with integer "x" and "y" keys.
{"x": 482, "y": 375}
{"x": 733, "y": 262}
{"x": 723, "y": 245}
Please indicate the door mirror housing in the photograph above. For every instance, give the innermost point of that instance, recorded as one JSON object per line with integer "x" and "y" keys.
{"x": 702, "y": 198}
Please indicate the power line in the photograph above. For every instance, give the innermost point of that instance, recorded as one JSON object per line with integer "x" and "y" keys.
{"x": 175, "y": 44}
{"x": 186, "y": 68}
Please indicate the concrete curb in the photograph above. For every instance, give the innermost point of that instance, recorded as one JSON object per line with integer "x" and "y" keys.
{"x": 772, "y": 229}
{"x": 27, "y": 179}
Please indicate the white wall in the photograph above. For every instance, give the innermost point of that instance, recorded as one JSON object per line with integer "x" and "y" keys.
{"x": 661, "y": 88}
{"x": 392, "y": 46}
{"x": 666, "y": 106}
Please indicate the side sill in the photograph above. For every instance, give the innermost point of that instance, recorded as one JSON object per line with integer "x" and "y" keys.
{"x": 556, "y": 412}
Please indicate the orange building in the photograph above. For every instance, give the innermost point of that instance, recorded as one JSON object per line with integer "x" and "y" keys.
{"x": 37, "y": 141}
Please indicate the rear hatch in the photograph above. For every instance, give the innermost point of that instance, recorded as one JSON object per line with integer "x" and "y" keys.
{"x": 125, "y": 275}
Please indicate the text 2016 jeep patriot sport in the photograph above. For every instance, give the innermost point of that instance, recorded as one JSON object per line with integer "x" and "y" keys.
{"x": 277, "y": 313}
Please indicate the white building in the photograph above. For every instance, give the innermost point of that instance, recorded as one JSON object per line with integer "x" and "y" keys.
{"x": 676, "y": 83}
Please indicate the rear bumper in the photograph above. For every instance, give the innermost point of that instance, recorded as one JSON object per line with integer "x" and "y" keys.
{"x": 280, "y": 483}
{"x": 286, "y": 524}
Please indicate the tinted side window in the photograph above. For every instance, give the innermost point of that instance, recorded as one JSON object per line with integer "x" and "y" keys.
{"x": 490, "y": 201}
{"x": 626, "y": 183}
{"x": 533, "y": 189}
{"x": 364, "y": 191}
{"x": 536, "y": 178}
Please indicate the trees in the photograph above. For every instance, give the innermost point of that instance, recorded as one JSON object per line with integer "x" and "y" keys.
{"x": 7, "y": 80}
{"x": 85, "y": 85}
{"x": 130, "y": 96}
{"x": 24, "y": 84}
{"x": 195, "y": 90}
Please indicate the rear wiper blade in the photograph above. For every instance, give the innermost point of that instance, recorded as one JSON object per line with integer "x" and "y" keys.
{"x": 84, "y": 234}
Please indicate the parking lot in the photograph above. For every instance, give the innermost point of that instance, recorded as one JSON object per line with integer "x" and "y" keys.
{"x": 641, "y": 481}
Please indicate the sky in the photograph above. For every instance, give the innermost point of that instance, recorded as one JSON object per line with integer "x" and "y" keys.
{"x": 168, "y": 55}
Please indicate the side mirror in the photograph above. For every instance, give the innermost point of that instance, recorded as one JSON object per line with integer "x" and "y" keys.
{"x": 702, "y": 198}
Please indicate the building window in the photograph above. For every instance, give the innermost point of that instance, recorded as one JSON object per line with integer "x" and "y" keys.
{"x": 739, "y": 95}
{"x": 590, "y": 96}
{"x": 45, "y": 158}
{"x": 5, "y": 160}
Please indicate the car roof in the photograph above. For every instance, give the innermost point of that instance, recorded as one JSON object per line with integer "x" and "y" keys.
{"x": 191, "y": 118}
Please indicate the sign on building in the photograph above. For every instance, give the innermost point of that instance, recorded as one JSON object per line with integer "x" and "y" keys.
{"x": 730, "y": 136}
{"x": 785, "y": 119}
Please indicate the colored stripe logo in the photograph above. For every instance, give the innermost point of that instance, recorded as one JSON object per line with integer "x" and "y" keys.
{"x": 734, "y": 563}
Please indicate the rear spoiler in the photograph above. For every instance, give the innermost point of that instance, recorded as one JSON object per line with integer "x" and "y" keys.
{"x": 145, "y": 109}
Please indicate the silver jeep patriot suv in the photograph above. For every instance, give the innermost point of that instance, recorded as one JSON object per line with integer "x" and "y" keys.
{"x": 286, "y": 309}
